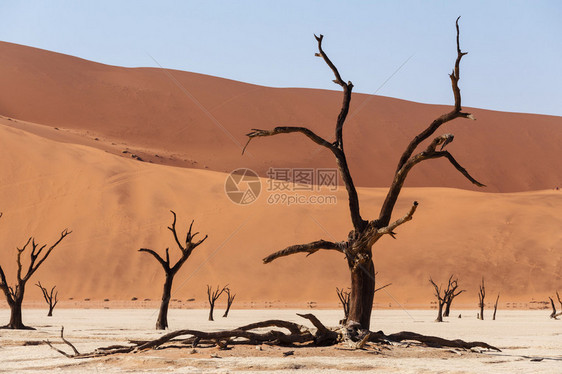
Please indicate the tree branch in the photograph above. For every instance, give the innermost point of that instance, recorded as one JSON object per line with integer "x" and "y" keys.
{"x": 347, "y": 88}
{"x": 173, "y": 230}
{"x": 309, "y": 248}
{"x": 408, "y": 217}
{"x": 383, "y": 287}
{"x": 458, "y": 166}
{"x": 406, "y": 161}
{"x": 256, "y": 133}
{"x": 165, "y": 265}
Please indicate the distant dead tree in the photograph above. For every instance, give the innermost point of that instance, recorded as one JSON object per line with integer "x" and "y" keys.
{"x": 445, "y": 298}
{"x": 344, "y": 296}
{"x": 37, "y": 255}
{"x": 555, "y": 315}
{"x": 453, "y": 285}
{"x": 186, "y": 249}
{"x": 481, "y": 296}
{"x": 50, "y": 298}
{"x": 496, "y": 307}
{"x": 229, "y": 301}
{"x": 357, "y": 247}
{"x": 213, "y": 297}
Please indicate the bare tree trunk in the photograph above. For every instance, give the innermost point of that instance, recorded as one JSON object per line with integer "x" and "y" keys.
{"x": 447, "y": 310}
{"x": 16, "y": 320}
{"x": 496, "y": 307}
{"x": 553, "y": 314}
{"x": 230, "y": 300}
{"x": 162, "y": 321}
{"x": 439, "y": 312}
{"x": 211, "y": 310}
{"x": 481, "y": 296}
{"x": 362, "y": 294}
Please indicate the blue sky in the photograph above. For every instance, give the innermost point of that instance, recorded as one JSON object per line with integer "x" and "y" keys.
{"x": 515, "y": 47}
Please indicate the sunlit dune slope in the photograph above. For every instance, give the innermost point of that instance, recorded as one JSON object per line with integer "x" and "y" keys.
{"x": 116, "y": 205}
{"x": 199, "y": 121}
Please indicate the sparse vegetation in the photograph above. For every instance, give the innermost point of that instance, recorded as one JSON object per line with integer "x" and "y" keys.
{"x": 14, "y": 295}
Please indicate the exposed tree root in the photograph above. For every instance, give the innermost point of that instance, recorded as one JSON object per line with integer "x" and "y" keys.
{"x": 298, "y": 336}
{"x": 430, "y": 341}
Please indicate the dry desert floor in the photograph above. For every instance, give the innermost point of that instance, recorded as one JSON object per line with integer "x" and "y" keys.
{"x": 529, "y": 340}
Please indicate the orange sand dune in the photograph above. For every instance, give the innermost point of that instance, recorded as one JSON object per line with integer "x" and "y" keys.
{"x": 115, "y": 206}
{"x": 199, "y": 121}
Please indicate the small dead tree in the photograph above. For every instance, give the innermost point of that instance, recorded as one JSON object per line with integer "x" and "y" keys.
{"x": 481, "y": 296}
{"x": 50, "y": 298}
{"x": 357, "y": 247}
{"x": 230, "y": 300}
{"x": 453, "y": 285}
{"x": 37, "y": 255}
{"x": 445, "y": 299}
{"x": 555, "y": 315}
{"x": 344, "y": 296}
{"x": 213, "y": 297}
{"x": 440, "y": 300}
{"x": 496, "y": 307}
{"x": 186, "y": 249}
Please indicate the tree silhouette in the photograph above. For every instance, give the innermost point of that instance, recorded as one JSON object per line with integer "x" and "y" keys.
{"x": 357, "y": 248}
{"x": 14, "y": 295}
{"x": 186, "y": 249}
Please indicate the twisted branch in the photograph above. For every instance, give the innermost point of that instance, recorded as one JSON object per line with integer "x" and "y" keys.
{"x": 309, "y": 248}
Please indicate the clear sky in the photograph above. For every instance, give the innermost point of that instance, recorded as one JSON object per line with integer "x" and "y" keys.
{"x": 515, "y": 47}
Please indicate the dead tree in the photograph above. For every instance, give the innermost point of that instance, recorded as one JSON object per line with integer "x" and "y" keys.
{"x": 213, "y": 297}
{"x": 449, "y": 300}
{"x": 50, "y": 299}
{"x": 357, "y": 248}
{"x": 481, "y": 296}
{"x": 37, "y": 255}
{"x": 344, "y": 299}
{"x": 441, "y": 297}
{"x": 186, "y": 249}
{"x": 555, "y": 315}
{"x": 229, "y": 301}
{"x": 496, "y": 307}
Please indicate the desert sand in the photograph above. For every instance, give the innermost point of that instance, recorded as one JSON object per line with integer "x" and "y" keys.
{"x": 522, "y": 336}
{"x": 200, "y": 121}
{"x": 116, "y": 205}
